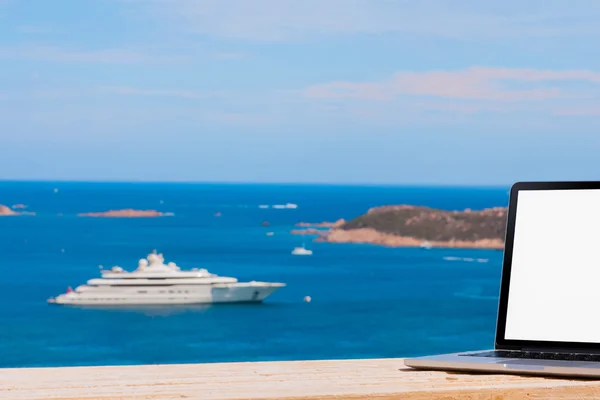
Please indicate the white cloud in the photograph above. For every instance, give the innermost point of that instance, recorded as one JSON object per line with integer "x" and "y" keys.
{"x": 239, "y": 118}
{"x": 188, "y": 94}
{"x": 230, "y": 56}
{"x": 145, "y": 92}
{"x": 581, "y": 111}
{"x": 290, "y": 19}
{"x": 476, "y": 83}
{"x": 57, "y": 54}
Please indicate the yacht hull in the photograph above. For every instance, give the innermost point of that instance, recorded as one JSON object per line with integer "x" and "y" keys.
{"x": 171, "y": 295}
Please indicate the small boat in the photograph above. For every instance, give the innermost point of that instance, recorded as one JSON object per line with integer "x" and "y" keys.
{"x": 270, "y": 233}
{"x": 425, "y": 245}
{"x": 301, "y": 251}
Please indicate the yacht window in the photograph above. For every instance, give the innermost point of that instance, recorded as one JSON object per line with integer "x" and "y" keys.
{"x": 142, "y": 291}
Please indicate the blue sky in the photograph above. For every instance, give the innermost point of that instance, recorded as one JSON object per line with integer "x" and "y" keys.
{"x": 376, "y": 91}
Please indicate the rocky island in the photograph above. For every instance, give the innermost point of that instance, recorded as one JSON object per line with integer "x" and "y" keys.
{"x": 308, "y": 231}
{"x": 325, "y": 224}
{"x": 126, "y": 213}
{"x": 7, "y": 211}
{"x": 310, "y": 228}
{"x": 410, "y": 226}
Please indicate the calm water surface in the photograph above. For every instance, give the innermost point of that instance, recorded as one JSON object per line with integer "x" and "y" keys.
{"x": 367, "y": 301}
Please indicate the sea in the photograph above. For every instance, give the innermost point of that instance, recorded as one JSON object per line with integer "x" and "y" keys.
{"x": 366, "y": 301}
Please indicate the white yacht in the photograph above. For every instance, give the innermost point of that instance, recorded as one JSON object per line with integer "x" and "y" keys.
{"x": 426, "y": 245}
{"x": 301, "y": 251}
{"x": 157, "y": 283}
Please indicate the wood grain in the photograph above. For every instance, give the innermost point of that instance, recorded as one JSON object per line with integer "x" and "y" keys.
{"x": 381, "y": 379}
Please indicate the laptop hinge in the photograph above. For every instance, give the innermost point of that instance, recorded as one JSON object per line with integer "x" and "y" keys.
{"x": 549, "y": 349}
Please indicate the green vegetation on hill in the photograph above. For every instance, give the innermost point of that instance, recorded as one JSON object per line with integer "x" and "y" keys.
{"x": 432, "y": 224}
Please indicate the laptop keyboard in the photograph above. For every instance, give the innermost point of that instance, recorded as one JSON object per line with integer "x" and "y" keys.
{"x": 533, "y": 355}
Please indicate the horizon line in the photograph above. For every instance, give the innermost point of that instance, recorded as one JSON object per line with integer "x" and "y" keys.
{"x": 280, "y": 183}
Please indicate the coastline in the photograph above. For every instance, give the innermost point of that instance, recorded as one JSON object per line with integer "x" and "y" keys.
{"x": 7, "y": 211}
{"x": 125, "y": 213}
{"x": 415, "y": 226}
{"x": 373, "y": 237}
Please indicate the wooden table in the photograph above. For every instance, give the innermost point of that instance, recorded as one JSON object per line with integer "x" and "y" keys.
{"x": 347, "y": 379}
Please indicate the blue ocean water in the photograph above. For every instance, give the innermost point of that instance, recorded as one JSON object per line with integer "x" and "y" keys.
{"x": 367, "y": 301}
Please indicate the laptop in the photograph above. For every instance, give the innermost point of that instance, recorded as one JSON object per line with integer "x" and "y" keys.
{"x": 548, "y": 319}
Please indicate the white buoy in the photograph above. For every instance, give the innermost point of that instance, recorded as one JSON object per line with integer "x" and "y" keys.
{"x": 307, "y": 299}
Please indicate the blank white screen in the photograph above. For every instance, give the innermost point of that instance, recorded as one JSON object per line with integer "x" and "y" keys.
{"x": 554, "y": 292}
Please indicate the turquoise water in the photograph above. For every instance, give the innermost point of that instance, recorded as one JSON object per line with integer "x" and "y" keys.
{"x": 367, "y": 301}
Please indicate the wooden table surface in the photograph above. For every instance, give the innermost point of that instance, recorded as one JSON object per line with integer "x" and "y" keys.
{"x": 345, "y": 379}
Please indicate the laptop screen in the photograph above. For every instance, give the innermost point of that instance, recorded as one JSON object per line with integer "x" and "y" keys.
{"x": 554, "y": 290}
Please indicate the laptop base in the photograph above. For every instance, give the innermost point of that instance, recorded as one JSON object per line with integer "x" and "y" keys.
{"x": 470, "y": 363}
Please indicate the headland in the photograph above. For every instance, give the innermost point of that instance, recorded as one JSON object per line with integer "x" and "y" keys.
{"x": 411, "y": 226}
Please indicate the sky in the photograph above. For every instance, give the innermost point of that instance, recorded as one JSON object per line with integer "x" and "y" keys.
{"x": 454, "y": 92}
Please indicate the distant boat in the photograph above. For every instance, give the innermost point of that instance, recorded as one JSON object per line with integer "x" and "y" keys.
{"x": 425, "y": 245}
{"x": 270, "y": 233}
{"x": 301, "y": 251}
{"x": 284, "y": 206}
{"x": 452, "y": 258}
